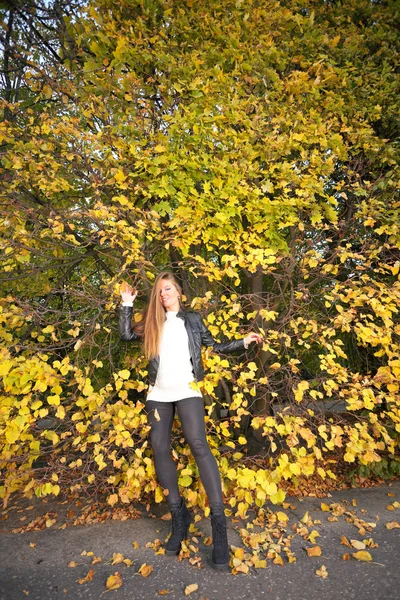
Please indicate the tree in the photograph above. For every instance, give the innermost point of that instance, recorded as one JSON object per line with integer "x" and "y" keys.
{"x": 254, "y": 148}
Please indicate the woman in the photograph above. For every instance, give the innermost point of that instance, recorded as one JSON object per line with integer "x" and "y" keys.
{"x": 173, "y": 338}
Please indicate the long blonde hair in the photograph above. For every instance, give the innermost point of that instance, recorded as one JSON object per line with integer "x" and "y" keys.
{"x": 154, "y": 316}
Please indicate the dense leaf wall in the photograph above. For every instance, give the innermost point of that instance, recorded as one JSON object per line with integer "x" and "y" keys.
{"x": 253, "y": 149}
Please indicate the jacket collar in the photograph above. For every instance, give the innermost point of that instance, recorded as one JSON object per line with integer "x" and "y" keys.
{"x": 182, "y": 313}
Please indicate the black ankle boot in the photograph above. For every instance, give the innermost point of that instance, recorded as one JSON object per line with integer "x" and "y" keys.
{"x": 220, "y": 553}
{"x": 181, "y": 519}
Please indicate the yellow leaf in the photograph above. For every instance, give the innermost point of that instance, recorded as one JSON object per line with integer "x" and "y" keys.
{"x": 88, "y": 577}
{"x": 314, "y": 551}
{"x": 113, "y": 499}
{"x": 278, "y": 560}
{"x": 145, "y": 570}
{"x": 48, "y": 329}
{"x": 120, "y": 176}
{"x": 393, "y": 525}
{"x": 314, "y": 534}
{"x": 127, "y": 561}
{"x": 124, "y": 374}
{"x": 281, "y": 516}
{"x": 362, "y": 555}
{"x": 72, "y": 564}
{"x": 114, "y": 581}
{"x": 322, "y": 572}
{"x": 325, "y": 507}
{"x": 357, "y": 544}
{"x": 189, "y": 589}
{"x": 345, "y": 541}
{"x": 117, "y": 558}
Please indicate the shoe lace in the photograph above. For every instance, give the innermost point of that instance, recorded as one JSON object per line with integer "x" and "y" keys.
{"x": 219, "y": 530}
{"x": 177, "y": 521}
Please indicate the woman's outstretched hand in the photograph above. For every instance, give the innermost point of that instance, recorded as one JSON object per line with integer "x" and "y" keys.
{"x": 252, "y": 337}
{"x": 127, "y": 293}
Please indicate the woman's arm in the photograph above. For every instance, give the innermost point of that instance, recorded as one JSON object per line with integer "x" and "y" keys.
{"x": 228, "y": 347}
{"x": 126, "y": 332}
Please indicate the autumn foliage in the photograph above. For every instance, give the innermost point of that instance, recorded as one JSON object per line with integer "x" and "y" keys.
{"x": 252, "y": 147}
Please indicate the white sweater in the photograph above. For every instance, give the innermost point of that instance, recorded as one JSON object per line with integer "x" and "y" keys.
{"x": 175, "y": 372}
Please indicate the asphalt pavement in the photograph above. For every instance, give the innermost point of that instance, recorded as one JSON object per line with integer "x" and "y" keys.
{"x": 63, "y": 560}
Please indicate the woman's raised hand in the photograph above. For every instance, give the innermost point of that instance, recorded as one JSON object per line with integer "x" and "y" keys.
{"x": 252, "y": 337}
{"x": 127, "y": 293}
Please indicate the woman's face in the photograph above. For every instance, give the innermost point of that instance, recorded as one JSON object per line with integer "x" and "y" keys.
{"x": 169, "y": 295}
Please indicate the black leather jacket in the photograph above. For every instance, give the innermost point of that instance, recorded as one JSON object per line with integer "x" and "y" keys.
{"x": 198, "y": 336}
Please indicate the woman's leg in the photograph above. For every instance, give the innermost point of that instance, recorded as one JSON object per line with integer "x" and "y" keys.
{"x": 191, "y": 414}
{"x": 160, "y": 436}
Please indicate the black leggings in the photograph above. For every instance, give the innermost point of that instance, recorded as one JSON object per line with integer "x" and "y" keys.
{"x": 191, "y": 414}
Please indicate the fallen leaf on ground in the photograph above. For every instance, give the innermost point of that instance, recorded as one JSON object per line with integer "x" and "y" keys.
{"x": 166, "y": 517}
{"x": 114, "y": 581}
{"x": 282, "y": 517}
{"x": 135, "y": 545}
{"x": 88, "y": 577}
{"x": 72, "y": 564}
{"x": 96, "y": 559}
{"x": 189, "y": 589}
{"x": 357, "y": 544}
{"x": 345, "y": 542}
{"x": 393, "y": 525}
{"x": 325, "y": 507}
{"x": 346, "y": 556}
{"x": 145, "y": 570}
{"x": 241, "y": 568}
{"x": 362, "y": 555}
{"x": 314, "y": 534}
{"x": 164, "y": 592}
{"x": 239, "y": 553}
{"x": 258, "y": 563}
{"x": 117, "y": 558}
{"x": 50, "y": 522}
{"x": 128, "y": 562}
{"x": 314, "y": 551}
{"x": 278, "y": 560}
{"x": 322, "y": 572}
{"x": 32, "y": 545}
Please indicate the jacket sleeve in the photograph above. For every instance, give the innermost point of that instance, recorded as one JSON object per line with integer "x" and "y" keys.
{"x": 126, "y": 332}
{"x": 225, "y": 347}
